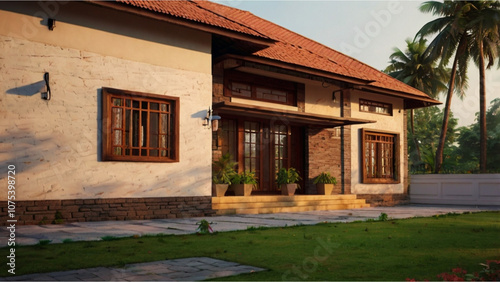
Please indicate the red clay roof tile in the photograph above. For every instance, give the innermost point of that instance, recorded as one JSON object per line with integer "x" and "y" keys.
{"x": 291, "y": 48}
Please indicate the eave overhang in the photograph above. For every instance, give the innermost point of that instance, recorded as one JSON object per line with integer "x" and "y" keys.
{"x": 258, "y": 62}
{"x": 292, "y": 117}
{"x": 410, "y": 101}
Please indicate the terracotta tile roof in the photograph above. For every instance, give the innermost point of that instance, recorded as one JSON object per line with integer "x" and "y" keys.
{"x": 192, "y": 11}
{"x": 290, "y": 48}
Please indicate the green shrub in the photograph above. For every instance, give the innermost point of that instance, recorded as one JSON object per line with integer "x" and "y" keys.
{"x": 325, "y": 178}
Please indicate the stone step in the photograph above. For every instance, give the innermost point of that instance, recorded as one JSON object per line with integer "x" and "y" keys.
{"x": 299, "y": 203}
{"x": 276, "y": 198}
{"x": 290, "y": 209}
{"x": 276, "y": 203}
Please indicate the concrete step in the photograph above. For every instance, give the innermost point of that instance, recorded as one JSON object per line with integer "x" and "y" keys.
{"x": 276, "y": 203}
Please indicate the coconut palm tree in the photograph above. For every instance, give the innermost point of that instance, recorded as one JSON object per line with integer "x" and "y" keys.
{"x": 484, "y": 22}
{"x": 418, "y": 71}
{"x": 453, "y": 39}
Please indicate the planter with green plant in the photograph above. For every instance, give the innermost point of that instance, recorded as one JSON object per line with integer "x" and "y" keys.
{"x": 243, "y": 183}
{"x": 222, "y": 171}
{"x": 324, "y": 183}
{"x": 287, "y": 181}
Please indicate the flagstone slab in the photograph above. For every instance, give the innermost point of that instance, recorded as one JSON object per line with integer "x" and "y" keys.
{"x": 189, "y": 269}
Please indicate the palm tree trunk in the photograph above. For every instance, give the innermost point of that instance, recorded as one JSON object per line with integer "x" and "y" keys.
{"x": 483, "y": 137}
{"x": 444, "y": 127}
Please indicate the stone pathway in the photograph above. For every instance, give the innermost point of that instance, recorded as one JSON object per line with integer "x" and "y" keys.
{"x": 188, "y": 269}
{"x": 88, "y": 231}
{"x": 192, "y": 269}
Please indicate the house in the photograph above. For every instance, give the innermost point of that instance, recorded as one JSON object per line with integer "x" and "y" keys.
{"x": 104, "y": 110}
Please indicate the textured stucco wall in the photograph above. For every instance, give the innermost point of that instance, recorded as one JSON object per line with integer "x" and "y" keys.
{"x": 394, "y": 123}
{"x": 55, "y": 145}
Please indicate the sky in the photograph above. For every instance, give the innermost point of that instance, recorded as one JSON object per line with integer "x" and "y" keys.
{"x": 368, "y": 31}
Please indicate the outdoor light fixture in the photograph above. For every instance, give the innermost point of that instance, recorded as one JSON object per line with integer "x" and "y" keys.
{"x": 212, "y": 121}
{"x": 51, "y": 23}
{"x": 46, "y": 94}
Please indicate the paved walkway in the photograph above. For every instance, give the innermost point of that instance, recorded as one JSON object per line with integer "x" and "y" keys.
{"x": 188, "y": 269}
{"x": 195, "y": 268}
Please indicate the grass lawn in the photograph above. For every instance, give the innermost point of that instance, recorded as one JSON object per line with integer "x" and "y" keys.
{"x": 417, "y": 248}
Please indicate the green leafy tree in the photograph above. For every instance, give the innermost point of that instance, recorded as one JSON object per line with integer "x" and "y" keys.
{"x": 427, "y": 134}
{"x": 419, "y": 71}
{"x": 469, "y": 140}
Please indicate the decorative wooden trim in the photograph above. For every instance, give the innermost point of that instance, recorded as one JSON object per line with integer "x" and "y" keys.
{"x": 256, "y": 81}
{"x": 174, "y": 103}
{"x": 396, "y": 158}
{"x": 363, "y": 102}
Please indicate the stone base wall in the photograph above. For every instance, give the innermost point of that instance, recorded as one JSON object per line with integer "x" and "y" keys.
{"x": 385, "y": 200}
{"x": 44, "y": 212}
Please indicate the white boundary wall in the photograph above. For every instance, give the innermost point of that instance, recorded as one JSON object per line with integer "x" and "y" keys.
{"x": 461, "y": 189}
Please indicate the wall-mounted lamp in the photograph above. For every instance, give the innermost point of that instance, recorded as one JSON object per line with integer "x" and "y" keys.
{"x": 211, "y": 121}
{"x": 46, "y": 94}
{"x": 334, "y": 98}
{"x": 51, "y": 23}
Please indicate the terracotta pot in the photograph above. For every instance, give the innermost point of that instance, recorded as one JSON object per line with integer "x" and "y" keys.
{"x": 219, "y": 190}
{"x": 242, "y": 189}
{"x": 324, "y": 189}
{"x": 288, "y": 189}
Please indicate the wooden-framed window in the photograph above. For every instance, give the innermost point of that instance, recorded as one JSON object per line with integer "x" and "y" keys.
{"x": 139, "y": 126}
{"x": 380, "y": 157}
{"x": 375, "y": 107}
{"x": 255, "y": 87}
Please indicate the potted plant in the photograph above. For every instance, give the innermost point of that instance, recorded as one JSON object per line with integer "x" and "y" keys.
{"x": 222, "y": 171}
{"x": 243, "y": 183}
{"x": 324, "y": 183}
{"x": 287, "y": 181}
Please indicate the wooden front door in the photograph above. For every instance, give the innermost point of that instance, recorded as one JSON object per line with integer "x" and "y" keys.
{"x": 264, "y": 147}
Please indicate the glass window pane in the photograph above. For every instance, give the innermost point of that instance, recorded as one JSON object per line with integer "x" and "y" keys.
{"x": 164, "y": 124}
{"x": 153, "y": 129}
{"x": 154, "y": 106}
{"x": 117, "y": 151}
{"x": 116, "y": 101}
{"x": 116, "y": 118}
{"x": 117, "y": 137}
{"x": 135, "y": 128}
{"x": 241, "y": 89}
{"x": 127, "y": 127}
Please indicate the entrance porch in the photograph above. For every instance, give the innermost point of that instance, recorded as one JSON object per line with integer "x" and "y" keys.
{"x": 276, "y": 204}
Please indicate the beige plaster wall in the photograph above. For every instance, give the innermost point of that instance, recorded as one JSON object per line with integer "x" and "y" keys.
{"x": 394, "y": 123}
{"x": 107, "y": 32}
{"x": 55, "y": 145}
{"x": 319, "y": 100}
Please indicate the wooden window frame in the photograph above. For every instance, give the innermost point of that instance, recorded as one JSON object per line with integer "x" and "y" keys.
{"x": 366, "y": 102}
{"x": 107, "y": 131}
{"x": 256, "y": 81}
{"x": 396, "y": 174}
